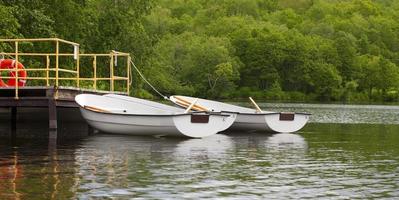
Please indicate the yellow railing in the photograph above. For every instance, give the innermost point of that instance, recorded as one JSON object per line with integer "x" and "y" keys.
{"x": 76, "y": 70}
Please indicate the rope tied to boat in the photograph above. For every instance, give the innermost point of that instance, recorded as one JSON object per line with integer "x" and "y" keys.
{"x": 189, "y": 106}
{"x": 145, "y": 80}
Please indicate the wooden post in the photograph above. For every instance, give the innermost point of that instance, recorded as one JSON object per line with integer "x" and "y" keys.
{"x": 95, "y": 71}
{"x": 52, "y": 145}
{"x": 52, "y": 116}
{"x": 16, "y": 70}
{"x": 13, "y": 125}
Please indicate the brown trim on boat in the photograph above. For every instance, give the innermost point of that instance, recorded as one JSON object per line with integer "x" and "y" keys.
{"x": 285, "y": 116}
{"x": 203, "y": 119}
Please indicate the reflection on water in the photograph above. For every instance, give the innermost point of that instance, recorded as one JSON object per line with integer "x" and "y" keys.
{"x": 145, "y": 167}
{"x": 211, "y": 147}
{"x": 324, "y": 160}
{"x": 35, "y": 171}
{"x": 286, "y": 141}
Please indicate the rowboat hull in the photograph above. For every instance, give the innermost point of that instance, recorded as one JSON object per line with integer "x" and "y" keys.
{"x": 250, "y": 120}
{"x": 124, "y": 121}
{"x": 269, "y": 122}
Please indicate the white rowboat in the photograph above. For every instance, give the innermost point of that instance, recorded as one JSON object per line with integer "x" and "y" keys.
{"x": 133, "y": 116}
{"x": 250, "y": 119}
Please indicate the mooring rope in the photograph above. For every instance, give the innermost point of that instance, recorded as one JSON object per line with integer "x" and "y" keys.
{"x": 143, "y": 77}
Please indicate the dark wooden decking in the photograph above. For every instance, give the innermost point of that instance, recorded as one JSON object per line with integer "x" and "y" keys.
{"x": 40, "y": 96}
{"x": 50, "y": 98}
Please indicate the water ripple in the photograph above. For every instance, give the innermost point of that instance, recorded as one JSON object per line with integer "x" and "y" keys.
{"x": 340, "y": 113}
{"x": 324, "y": 161}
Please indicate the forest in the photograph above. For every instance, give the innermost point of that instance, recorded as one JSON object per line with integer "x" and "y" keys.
{"x": 272, "y": 50}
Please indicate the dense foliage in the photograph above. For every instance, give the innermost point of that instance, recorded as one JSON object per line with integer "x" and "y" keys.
{"x": 339, "y": 50}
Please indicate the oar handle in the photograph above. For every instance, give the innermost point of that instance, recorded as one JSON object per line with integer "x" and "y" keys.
{"x": 191, "y": 105}
{"x": 186, "y": 103}
{"x": 255, "y": 104}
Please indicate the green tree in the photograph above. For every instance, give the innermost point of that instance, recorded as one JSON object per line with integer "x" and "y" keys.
{"x": 205, "y": 64}
{"x": 326, "y": 81}
{"x": 378, "y": 73}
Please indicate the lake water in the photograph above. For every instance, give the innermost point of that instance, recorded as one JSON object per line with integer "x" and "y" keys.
{"x": 347, "y": 152}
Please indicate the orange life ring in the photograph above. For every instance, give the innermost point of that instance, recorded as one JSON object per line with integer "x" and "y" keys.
{"x": 10, "y": 64}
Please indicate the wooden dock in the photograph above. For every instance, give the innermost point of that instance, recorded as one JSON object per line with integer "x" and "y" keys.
{"x": 53, "y": 80}
{"x": 49, "y": 98}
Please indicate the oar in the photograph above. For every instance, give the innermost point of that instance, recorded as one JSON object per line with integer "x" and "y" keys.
{"x": 258, "y": 110}
{"x": 186, "y": 103}
{"x": 95, "y": 109}
{"x": 191, "y": 105}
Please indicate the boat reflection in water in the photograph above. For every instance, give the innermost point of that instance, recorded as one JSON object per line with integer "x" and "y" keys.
{"x": 136, "y": 166}
{"x": 117, "y": 166}
{"x": 285, "y": 150}
{"x": 286, "y": 141}
{"x": 208, "y": 147}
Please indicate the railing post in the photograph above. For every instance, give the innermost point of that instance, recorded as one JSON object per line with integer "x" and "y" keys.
{"x": 111, "y": 66}
{"x": 77, "y": 66}
{"x": 128, "y": 74}
{"x": 47, "y": 70}
{"x": 16, "y": 70}
{"x": 57, "y": 51}
{"x": 95, "y": 71}
{"x": 53, "y": 80}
